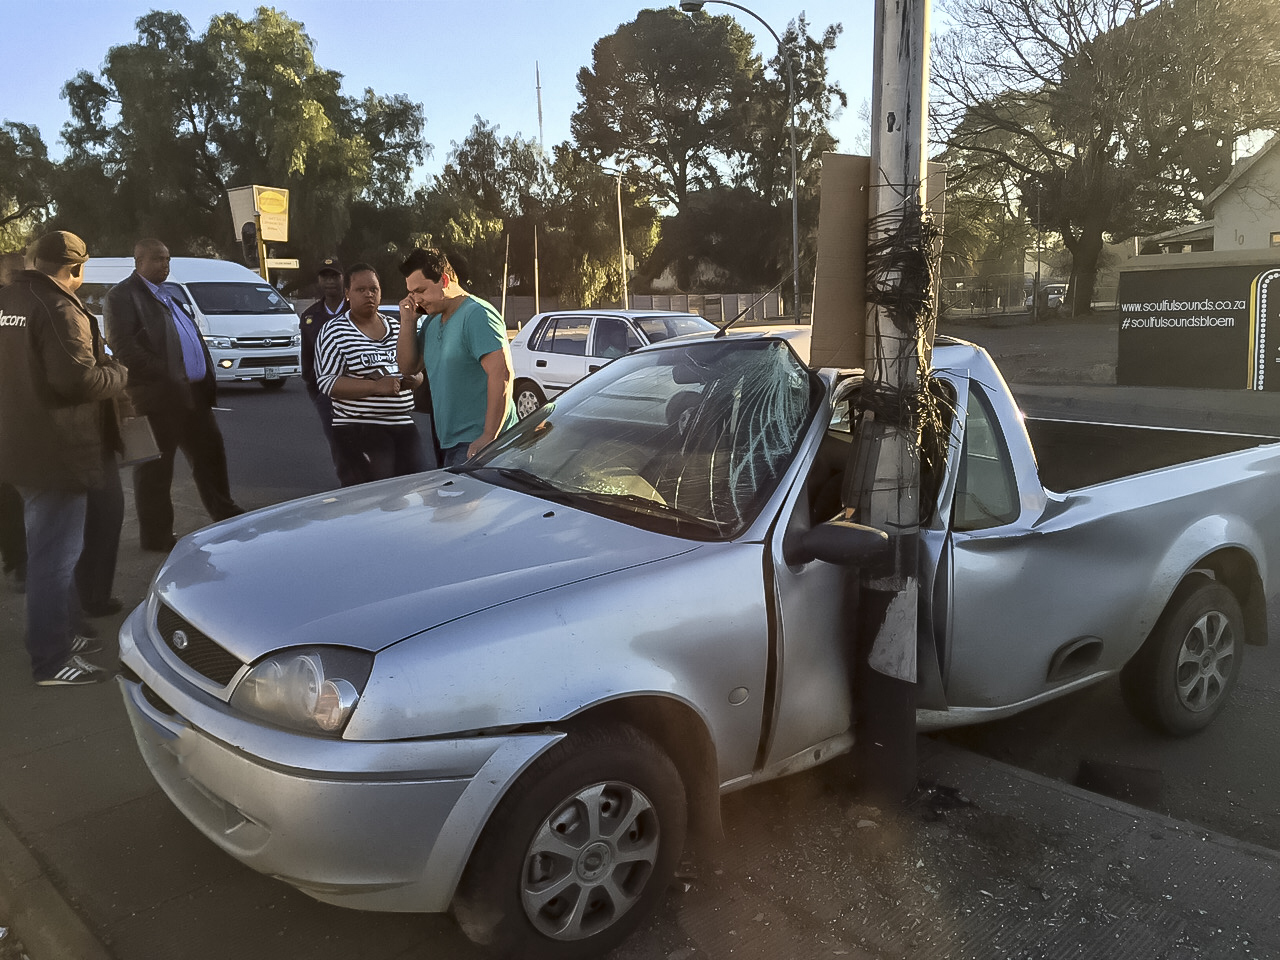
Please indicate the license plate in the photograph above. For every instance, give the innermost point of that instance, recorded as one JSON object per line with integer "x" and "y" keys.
{"x": 271, "y": 373}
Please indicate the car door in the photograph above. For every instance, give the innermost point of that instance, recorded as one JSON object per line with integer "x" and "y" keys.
{"x": 560, "y": 352}
{"x": 1017, "y": 620}
{"x": 816, "y": 605}
{"x": 611, "y": 337}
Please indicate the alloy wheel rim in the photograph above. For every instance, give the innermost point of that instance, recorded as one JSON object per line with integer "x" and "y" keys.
{"x": 1205, "y": 661}
{"x": 590, "y": 861}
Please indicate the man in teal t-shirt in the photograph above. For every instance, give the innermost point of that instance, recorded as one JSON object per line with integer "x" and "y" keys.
{"x": 462, "y": 345}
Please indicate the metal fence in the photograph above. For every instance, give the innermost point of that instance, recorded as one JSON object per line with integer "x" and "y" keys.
{"x": 716, "y": 307}
{"x": 982, "y": 296}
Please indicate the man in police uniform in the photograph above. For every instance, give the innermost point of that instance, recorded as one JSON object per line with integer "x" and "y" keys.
{"x": 59, "y": 430}
{"x": 332, "y": 303}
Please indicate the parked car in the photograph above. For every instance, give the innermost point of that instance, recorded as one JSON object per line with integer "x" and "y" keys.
{"x": 1052, "y": 296}
{"x": 555, "y": 350}
{"x": 633, "y": 601}
{"x": 250, "y": 329}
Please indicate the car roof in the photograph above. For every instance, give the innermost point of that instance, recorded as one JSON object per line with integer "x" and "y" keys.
{"x": 606, "y": 312}
{"x": 181, "y": 270}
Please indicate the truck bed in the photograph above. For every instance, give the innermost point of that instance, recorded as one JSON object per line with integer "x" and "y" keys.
{"x": 1071, "y": 454}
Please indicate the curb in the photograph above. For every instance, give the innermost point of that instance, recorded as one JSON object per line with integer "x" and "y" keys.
{"x": 48, "y": 926}
{"x": 952, "y": 758}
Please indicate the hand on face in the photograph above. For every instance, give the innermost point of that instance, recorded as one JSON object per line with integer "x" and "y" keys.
{"x": 426, "y": 295}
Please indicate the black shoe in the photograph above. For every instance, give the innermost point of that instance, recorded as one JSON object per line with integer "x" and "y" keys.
{"x": 75, "y": 673}
{"x": 160, "y": 544}
{"x": 82, "y": 644}
{"x": 112, "y": 605}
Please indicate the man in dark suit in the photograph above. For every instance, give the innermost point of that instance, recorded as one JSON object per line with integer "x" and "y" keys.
{"x": 171, "y": 381}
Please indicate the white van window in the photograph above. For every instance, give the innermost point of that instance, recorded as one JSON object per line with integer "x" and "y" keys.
{"x": 92, "y": 295}
{"x": 215, "y": 299}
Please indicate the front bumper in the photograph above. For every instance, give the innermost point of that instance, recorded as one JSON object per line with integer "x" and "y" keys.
{"x": 249, "y": 364}
{"x": 371, "y": 825}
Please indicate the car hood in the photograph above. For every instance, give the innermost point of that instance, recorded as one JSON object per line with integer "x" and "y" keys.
{"x": 371, "y": 565}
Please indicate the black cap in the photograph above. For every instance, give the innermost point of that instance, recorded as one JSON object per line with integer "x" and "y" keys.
{"x": 330, "y": 265}
{"x": 60, "y": 247}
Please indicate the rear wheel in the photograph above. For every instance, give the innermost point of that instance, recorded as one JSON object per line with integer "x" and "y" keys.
{"x": 529, "y": 398}
{"x": 579, "y": 850}
{"x": 1181, "y": 677}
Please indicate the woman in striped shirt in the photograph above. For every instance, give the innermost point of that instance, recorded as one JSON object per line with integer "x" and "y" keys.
{"x": 372, "y": 404}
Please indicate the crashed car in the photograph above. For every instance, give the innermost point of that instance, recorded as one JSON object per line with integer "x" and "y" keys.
{"x": 510, "y": 689}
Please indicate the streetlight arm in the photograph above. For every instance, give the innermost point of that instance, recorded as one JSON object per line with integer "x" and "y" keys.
{"x": 694, "y": 6}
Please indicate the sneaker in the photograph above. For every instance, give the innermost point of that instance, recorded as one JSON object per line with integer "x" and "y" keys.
{"x": 83, "y": 644}
{"x": 74, "y": 673}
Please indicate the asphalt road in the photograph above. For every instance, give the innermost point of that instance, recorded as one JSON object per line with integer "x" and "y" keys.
{"x": 1225, "y": 778}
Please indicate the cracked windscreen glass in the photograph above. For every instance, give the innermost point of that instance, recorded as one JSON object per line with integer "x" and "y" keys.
{"x": 688, "y": 441}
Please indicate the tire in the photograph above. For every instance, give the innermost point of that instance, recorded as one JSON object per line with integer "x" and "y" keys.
{"x": 1180, "y": 678}
{"x": 273, "y": 385}
{"x": 529, "y": 398}
{"x": 561, "y": 827}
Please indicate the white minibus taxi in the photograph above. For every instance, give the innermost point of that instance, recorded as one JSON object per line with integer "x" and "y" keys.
{"x": 250, "y": 329}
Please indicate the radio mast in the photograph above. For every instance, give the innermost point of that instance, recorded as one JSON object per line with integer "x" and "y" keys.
{"x": 537, "y": 77}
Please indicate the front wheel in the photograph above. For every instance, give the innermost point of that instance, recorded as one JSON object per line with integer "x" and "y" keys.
{"x": 1181, "y": 677}
{"x": 579, "y": 850}
{"x": 529, "y": 398}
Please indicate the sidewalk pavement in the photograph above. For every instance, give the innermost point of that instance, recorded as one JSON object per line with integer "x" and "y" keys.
{"x": 989, "y": 862}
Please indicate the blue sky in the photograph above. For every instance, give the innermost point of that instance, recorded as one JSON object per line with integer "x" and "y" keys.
{"x": 458, "y": 58}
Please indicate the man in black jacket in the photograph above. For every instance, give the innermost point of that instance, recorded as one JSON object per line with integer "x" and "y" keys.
{"x": 171, "y": 381}
{"x": 59, "y": 429}
{"x": 332, "y": 303}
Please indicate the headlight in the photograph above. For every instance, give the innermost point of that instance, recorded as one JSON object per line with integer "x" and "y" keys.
{"x": 219, "y": 343}
{"x": 312, "y": 690}
{"x": 295, "y": 340}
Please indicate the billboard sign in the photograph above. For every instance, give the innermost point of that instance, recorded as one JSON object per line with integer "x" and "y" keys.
{"x": 1203, "y": 325}
{"x": 269, "y": 205}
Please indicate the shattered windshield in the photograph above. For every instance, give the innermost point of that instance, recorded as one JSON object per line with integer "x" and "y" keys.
{"x": 688, "y": 441}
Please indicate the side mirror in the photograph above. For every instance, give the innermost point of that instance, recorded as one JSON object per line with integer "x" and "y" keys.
{"x": 842, "y": 543}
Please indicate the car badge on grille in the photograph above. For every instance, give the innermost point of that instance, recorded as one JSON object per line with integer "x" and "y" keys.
{"x": 180, "y": 640}
{"x": 268, "y": 342}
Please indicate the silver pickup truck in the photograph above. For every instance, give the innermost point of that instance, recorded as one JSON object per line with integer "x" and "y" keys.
{"x": 510, "y": 689}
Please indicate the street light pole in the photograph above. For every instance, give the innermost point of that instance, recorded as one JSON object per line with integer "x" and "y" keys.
{"x": 694, "y": 6}
{"x": 622, "y": 247}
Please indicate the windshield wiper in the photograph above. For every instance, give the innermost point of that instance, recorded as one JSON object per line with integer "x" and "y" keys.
{"x": 635, "y": 503}
{"x": 519, "y": 479}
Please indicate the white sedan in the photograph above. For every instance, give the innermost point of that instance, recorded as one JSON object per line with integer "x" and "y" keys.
{"x": 555, "y": 350}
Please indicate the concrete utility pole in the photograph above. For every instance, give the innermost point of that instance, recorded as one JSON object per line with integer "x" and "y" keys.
{"x": 883, "y": 484}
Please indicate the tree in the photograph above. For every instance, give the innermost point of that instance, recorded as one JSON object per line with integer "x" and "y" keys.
{"x": 671, "y": 91}
{"x": 174, "y": 119}
{"x": 1123, "y": 113}
{"x": 491, "y": 186}
{"x": 687, "y": 107}
{"x": 581, "y": 248}
{"x": 762, "y": 150}
{"x": 25, "y": 174}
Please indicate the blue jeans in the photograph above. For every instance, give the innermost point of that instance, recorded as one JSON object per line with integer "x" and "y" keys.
{"x": 452, "y": 456}
{"x": 55, "y": 536}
